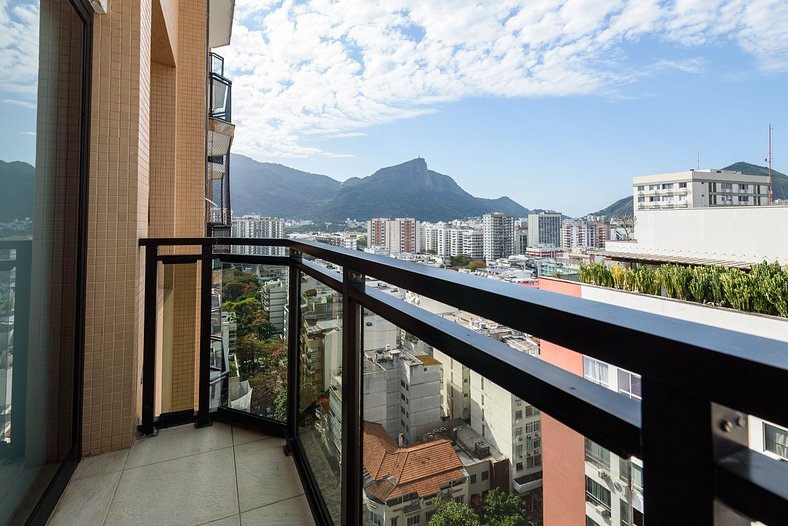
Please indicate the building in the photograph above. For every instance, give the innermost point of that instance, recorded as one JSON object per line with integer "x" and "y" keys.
{"x": 402, "y": 485}
{"x": 274, "y": 298}
{"x": 260, "y": 227}
{"x": 348, "y": 240}
{"x": 498, "y": 232}
{"x": 583, "y": 480}
{"x": 473, "y": 243}
{"x": 577, "y": 236}
{"x": 699, "y": 189}
{"x": 520, "y": 239}
{"x": 400, "y": 235}
{"x": 544, "y": 228}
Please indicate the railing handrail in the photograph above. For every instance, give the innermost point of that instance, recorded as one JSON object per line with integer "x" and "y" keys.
{"x": 685, "y": 366}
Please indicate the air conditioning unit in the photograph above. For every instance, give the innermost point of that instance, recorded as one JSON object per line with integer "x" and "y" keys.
{"x": 604, "y": 474}
{"x": 602, "y": 510}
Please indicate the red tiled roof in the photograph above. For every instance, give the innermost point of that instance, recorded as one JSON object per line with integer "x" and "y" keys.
{"x": 421, "y": 468}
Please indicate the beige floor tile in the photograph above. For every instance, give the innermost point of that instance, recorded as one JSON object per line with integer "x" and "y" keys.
{"x": 184, "y": 491}
{"x": 179, "y": 442}
{"x": 101, "y": 464}
{"x": 288, "y": 512}
{"x": 85, "y": 501}
{"x": 235, "y": 520}
{"x": 265, "y": 474}
{"x": 244, "y": 436}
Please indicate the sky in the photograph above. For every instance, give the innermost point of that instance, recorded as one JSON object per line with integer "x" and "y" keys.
{"x": 554, "y": 103}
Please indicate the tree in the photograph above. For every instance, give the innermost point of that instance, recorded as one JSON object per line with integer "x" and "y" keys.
{"x": 501, "y": 509}
{"x": 460, "y": 260}
{"x": 625, "y": 222}
{"x": 452, "y": 513}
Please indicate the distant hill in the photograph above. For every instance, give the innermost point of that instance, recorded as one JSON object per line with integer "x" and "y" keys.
{"x": 779, "y": 188}
{"x": 409, "y": 189}
{"x": 17, "y": 182}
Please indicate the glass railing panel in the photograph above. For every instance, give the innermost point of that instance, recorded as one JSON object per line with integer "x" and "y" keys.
{"x": 249, "y": 313}
{"x": 320, "y": 388}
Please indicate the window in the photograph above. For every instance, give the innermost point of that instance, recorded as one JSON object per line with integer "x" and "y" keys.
{"x": 519, "y": 466}
{"x": 654, "y": 199}
{"x": 485, "y": 475}
{"x": 531, "y": 410}
{"x": 534, "y": 461}
{"x": 597, "y": 455}
{"x": 518, "y": 414}
{"x": 403, "y": 384}
{"x": 744, "y": 199}
{"x": 597, "y": 494}
{"x": 591, "y": 522}
{"x": 637, "y": 477}
{"x": 375, "y": 519}
{"x": 624, "y": 510}
{"x": 653, "y": 187}
{"x": 459, "y": 500}
{"x": 667, "y": 186}
{"x": 402, "y": 397}
{"x": 532, "y": 427}
{"x": 637, "y": 518}
{"x": 518, "y": 449}
{"x": 473, "y": 479}
{"x": 482, "y": 399}
{"x": 641, "y": 188}
{"x": 682, "y": 185}
{"x": 394, "y": 521}
{"x": 416, "y": 519}
{"x": 641, "y": 199}
{"x": 518, "y": 431}
{"x": 595, "y": 371}
{"x": 629, "y": 384}
{"x": 726, "y": 186}
{"x": 533, "y": 444}
{"x": 744, "y": 187}
{"x": 775, "y": 440}
{"x": 402, "y": 410}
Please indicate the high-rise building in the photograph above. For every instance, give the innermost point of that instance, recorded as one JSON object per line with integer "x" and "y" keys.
{"x": 399, "y": 236}
{"x": 255, "y": 226}
{"x": 544, "y": 228}
{"x": 498, "y": 231}
{"x": 582, "y": 235}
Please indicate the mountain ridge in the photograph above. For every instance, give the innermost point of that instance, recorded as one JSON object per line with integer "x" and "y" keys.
{"x": 408, "y": 189}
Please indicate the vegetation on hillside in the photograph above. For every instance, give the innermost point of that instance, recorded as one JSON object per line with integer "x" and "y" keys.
{"x": 764, "y": 289}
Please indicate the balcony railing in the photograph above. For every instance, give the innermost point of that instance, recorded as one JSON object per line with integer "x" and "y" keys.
{"x": 694, "y": 449}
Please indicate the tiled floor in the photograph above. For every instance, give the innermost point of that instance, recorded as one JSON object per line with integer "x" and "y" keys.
{"x": 218, "y": 475}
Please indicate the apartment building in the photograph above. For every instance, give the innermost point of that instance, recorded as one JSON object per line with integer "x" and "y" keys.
{"x": 544, "y": 228}
{"x": 398, "y": 236}
{"x": 585, "y": 482}
{"x": 346, "y": 240}
{"x": 579, "y": 236}
{"x": 498, "y": 231}
{"x": 699, "y": 189}
{"x": 274, "y": 299}
{"x": 256, "y": 226}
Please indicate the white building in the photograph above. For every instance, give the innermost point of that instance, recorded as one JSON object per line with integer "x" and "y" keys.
{"x": 348, "y": 240}
{"x": 718, "y": 235}
{"x": 274, "y": 300}
{"x": 699, "y": 189}
{"x": 582, "y": 235}
{"x": 544, "y": 228}
{"x": 255, "y": 226}
{"x": 498, "y": 236}
{"x": 473, "y": 243}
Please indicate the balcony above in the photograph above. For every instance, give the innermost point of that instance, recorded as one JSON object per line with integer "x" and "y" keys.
{"x": 220, "y": 24}
{"x": 220, "y": 137}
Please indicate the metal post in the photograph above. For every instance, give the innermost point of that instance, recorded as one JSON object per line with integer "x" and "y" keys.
{"x": 149, "y": 340}
{"x": 21, "y": 341}
{"x": 678, "y": 461}
{"x": 293, "y": 344}
{"x": 351, "y": 399}
{"x": 206, "y": 284}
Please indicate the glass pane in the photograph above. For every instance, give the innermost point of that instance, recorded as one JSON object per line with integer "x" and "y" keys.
{"x": 320, "y": 383}
{"x": 249, "y": 339}
{"x": 40, "y": 155}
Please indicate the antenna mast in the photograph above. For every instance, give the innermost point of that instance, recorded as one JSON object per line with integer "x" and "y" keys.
{"x": 769, "y": 160}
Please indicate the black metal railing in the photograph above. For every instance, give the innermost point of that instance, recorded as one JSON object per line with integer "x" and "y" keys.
{"x": 693, "y": 455}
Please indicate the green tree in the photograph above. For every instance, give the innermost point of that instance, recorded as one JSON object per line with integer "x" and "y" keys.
{"x": 452, "y": 513}
{"x": 460, "y": 260}
{"x": 502, "y": 509}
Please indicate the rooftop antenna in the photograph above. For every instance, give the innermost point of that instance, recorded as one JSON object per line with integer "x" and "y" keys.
{"x": 769, "y": 161}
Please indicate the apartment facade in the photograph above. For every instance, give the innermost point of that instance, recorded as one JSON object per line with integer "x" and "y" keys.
{"x": 498, "y": 232}
{"x": 699, "y": 189}
{"x": 582, "y": 235}
{"x": 544, "y": 228}
{"x": 256, "y": 226}
{"x": 398, "y": 236}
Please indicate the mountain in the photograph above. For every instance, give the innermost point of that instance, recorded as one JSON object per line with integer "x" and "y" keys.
{"x": 409, "y": 189}
{"x": 621, "y": 207}
{"x": 779, "y": 188}
{"x": 17, "y": 182}
{"x": 276, "y": 190}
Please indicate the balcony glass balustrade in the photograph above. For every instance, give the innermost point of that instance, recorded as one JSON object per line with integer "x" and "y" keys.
{"x": 374, "y": 378}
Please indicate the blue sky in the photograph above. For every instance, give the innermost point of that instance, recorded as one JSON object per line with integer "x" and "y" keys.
{"x": 555, "y": 103}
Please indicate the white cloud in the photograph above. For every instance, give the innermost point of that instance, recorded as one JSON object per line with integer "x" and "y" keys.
{"x": 19, "y": 23}
{"x": 309, "y": 70}
{"x": 28, "y": 133}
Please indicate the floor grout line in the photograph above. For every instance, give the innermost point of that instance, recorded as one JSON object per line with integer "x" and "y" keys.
{"x": 235, "y": 468}
{"x": 178, "y": 458}
{"x": 276, "y": 502}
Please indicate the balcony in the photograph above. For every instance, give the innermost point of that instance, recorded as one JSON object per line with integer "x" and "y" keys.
{"x": 691, "y": 375}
